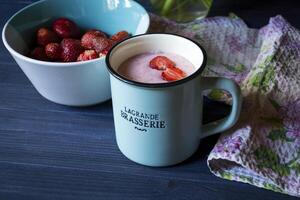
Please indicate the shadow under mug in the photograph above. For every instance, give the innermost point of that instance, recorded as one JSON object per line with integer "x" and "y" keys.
{"x": 160, "y": 124}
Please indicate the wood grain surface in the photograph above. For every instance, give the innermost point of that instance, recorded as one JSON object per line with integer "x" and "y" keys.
{"x": 49, "y": 151}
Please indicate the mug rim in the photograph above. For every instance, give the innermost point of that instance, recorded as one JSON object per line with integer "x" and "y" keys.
{"x": 156, "y": 85}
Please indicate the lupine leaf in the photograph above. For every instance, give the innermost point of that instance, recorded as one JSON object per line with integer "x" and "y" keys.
{"x": 279, "y": 134}
{"x": 269, "y": 159}
{"x": 256, "y": 79}
{"x": 236, "y": 68}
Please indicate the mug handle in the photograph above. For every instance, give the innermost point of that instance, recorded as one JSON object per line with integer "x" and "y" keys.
{"x": 226, "y": 123}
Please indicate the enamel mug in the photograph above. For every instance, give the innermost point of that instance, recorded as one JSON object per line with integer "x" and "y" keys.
{"x": 160, "y": 124}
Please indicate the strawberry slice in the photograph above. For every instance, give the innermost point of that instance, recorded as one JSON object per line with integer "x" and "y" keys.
{"x": 172, "y": 74}
{"x": 161, "y": 63}
{"x": 178, "y": 71}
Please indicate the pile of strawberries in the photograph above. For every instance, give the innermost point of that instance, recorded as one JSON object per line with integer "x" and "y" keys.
{"x": 169, "y": 70}
{"x": 64, "y": 43}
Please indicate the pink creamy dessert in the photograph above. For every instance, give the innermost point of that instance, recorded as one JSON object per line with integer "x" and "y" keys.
{"x": 137, "y": 67}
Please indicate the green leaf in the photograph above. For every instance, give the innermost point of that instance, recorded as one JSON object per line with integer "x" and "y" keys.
{"x": 246, "y": 178}
{"x": 236, "y": 69}
{"x": 266, "y": 62}
{"x": 295, "y": 166}
{"x": 268, "y": 78}
{"x": 279, "y": 134}
{"x": 226, "y": 175}
{"x": 282, "y": 170}
{"x": 256, "y": 79}
{"x": 269, "y": 159}
{"x": 265, "y": 78}
{"x": 267, "y": 155}
{"x": 268, "y": 59}
{"x": 273, "y": 187}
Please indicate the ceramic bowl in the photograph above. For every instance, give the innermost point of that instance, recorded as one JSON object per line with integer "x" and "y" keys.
{"x": 75, "y": 83}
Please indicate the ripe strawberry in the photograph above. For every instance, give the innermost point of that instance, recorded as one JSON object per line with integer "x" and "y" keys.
{"x": 105, "y": 51}
{"x": 122, "y": 35}
{"x": 161, "y": 63}
{"x": 71, "y": 49}
{"x": 65, "y": 28}
{"x": 38, "y": 53}
{"x": 53, "y": 51}
{"x": 100, "y": 44}
{"x": 87, "y": 55}
{"x": 45, "y": 36}
{"x": 87, "y": 38}
{"x": 172, "y": 74}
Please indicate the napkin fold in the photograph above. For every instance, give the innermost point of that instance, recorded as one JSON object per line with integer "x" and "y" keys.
{"x": 263, "y": 148}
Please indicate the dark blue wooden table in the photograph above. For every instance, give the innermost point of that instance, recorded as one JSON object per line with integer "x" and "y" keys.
{"x": 49, "y": 151}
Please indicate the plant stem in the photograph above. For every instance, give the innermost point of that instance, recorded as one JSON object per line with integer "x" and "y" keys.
{"x": 167, "y": 7}
{"x": 181, "y": 4}
{"x": 207, "y": 3}
{"x": 180, "y": 12}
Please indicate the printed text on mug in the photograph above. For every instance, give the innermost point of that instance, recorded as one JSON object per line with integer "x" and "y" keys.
{"x": 141, "y": 119}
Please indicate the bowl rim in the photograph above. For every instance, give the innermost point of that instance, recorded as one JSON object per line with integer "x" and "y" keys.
{"x": 57, "y": 64}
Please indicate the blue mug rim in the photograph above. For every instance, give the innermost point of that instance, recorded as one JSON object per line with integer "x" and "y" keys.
{"x": 156, "y": 85}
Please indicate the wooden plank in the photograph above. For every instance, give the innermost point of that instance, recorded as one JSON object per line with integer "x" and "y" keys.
{"x": 10, "y": 73}
{"x": 59, "y": 183}
{"x": 49, "y": 151}
{"x": 26, "y": 98}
